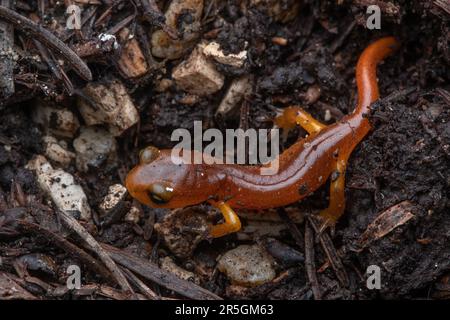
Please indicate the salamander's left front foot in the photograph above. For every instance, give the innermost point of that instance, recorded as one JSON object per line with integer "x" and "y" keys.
{"x": 232, "y": 223}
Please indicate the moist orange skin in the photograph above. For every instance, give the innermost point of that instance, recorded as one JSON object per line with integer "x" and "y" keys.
{"x": 304, "y": 167}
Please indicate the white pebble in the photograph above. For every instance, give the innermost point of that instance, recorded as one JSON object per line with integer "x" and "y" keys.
{"x": 197, "y": 75}
{"x": 214, "y": 51}
{"x": 57, "y": 121}
{"x": 116, "y": 194}
{"x": 247, "y": 265}
{"x": 57, "y": 151}
{"x": 61, "y": 187}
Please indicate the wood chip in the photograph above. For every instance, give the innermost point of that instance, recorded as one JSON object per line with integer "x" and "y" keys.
{"x": 11, "y": 290}
{"x": 387, "y": 221}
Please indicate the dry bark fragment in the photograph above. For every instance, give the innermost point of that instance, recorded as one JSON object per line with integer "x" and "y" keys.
{"x": 151, "y": 272}
{"x": 387, "y": 221}
{"x": 11, "y": 290}
{"x": 132, "y": 62}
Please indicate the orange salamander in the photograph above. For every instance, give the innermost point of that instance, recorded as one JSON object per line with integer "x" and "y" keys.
{"x": 158, "y": 182}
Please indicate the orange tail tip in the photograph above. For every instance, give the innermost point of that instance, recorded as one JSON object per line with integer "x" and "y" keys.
{"x": 366, "y": 71}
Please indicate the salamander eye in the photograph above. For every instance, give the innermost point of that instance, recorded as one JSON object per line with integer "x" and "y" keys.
{"x": 148, "y": 155}
{"x": 160, "y": 193}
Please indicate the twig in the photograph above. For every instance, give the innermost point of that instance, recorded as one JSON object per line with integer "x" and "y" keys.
{"x": 121, "y": 24}
{"x": 155, "y": 17}
{"x": 67, "y": 247}
{"x": 310, "y": 264}
{"x": 145, "y": 290}
{"x": 444, "y": 94}
{"x": 103, "y": 16}
{"x": 399, "y": 94}
{"x": 308, "y": 241}
{"x": 444, "y": 5}
{"x": 46, "y": 37}
{"x": 152, "y": 272}
{"x": 340, "y": 40}
{"x": 243, "y": 124}
{"x": 54, "y": 66}
{"x": 330, "y": 251}
{"x": 75, "y": 226}
{"x": 295, "y": 232}
{"x": 146, "y": 47}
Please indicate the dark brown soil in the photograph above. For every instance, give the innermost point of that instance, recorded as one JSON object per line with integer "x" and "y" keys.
{"x": 406, "y": 157}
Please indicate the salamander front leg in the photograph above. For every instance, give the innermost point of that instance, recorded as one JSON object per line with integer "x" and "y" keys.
{"x": 336, "y": 206}
{"x": 232, "y": 223}
{"x": 297, "y": 116}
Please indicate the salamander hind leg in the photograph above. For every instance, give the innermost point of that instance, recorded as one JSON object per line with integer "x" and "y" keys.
{"x": 297, "y": 116}
{"x": 336, "y": 205}
{"x": 232, "y": 223}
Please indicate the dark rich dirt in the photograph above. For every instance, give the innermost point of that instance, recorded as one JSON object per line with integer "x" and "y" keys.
{"x": 406, "y": 157}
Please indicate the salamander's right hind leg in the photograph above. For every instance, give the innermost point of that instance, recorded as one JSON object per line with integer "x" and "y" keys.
{"x": 293, "y": 116}
{"x": 336, "y": 205}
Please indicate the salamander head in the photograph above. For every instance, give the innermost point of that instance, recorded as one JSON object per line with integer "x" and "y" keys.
{"x": 161, "y": 182}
